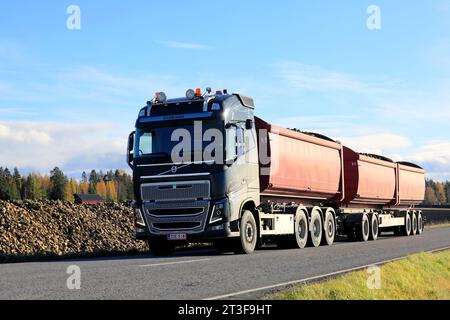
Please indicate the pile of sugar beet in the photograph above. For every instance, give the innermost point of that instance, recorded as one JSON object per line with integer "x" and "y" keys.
{"x": 35, "y": 230}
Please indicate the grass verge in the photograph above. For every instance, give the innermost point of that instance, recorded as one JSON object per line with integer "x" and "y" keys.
{"x": 424, "y": 276}
{"x": 438, "y": 225}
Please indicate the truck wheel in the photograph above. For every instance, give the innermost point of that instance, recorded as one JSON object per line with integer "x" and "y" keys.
{"x": 161, "y": 247}
{"x": 329, "y": 228}
{"x": 301, "y": 229}
{"x": 315, "y": 229}
{"x": 406, "y": 228}
{"x": 363, "y": 229}
{"x": 413, "y": 223}
{"x": 248, "y": 234}
{"x": 419, "y": 223}
{"x": 374, "y": 230}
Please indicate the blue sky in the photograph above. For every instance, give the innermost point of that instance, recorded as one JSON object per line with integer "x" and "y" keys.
{"x": 70, "y": 97}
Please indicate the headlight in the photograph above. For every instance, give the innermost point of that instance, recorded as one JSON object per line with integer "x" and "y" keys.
{"x": 218, "y": 212}
{"x": 138, "y": 217}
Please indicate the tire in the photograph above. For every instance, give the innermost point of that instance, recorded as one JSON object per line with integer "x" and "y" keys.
{"x": 406, "y": 228}
{"x": 299, "y": 239}
{"x": 315, "y": 229}
{"x": 413, "y": 223}
{"x": 363, "y": 228}
{"x": 329, "y": 228}
{"x": 301, "y": 229}
{"x": 420, "y": 224}
{"x": 248, "y": 234}
{"x": 161, "y": 247}
{"x": 374, "y": 227}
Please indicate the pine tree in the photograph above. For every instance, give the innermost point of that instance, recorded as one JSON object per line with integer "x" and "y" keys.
{"x": 447, "y": 191}
{"x": 58, "y": 187}
{"x": 18, "y": 182}
{"x": 3, "y": 185}
{"x": 30, "y": 191}
{"x": 84, "y": 177}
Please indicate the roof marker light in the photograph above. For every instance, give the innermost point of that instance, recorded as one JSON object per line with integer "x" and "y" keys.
{"x": 160, "y": 97}
{"x": 218, "y": 92}
{"x": 190, "y": 94}
{"x": 198, "y": 92}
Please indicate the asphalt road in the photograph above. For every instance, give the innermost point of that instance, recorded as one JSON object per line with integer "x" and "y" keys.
{"x": 202, "y": 274}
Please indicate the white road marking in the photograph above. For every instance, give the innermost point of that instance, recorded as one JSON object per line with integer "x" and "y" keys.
{"x": 304, "y": 280}
{"x": 171, "y": 263}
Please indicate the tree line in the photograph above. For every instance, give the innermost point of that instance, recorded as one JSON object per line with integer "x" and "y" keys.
{"x": 114, "y": 185}
{"x": 437, "y": 193}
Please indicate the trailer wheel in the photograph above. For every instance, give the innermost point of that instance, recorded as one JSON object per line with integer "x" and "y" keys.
{"x": 413, "y": 223}
{"x": 329, "y": 228}
{"x": 301, "y": 229}
{"x": 248, "y": 234}
{"x": 363, "y": 229}
{"x": 419, "y": 223}
{"x": 315, "y": 228}
{"x": 406, "y": 228}
{"x": 374, "y": 227}
{"x": 161, "y": 247}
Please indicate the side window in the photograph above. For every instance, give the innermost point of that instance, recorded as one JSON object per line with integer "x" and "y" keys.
{"x": 240, "y": 142}
{"x": 231, "y": 143}
{"x": 145, "y": 143}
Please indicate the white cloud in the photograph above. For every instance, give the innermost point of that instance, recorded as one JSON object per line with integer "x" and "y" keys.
{"x": 183, "y": 45}
{"x": 376, "y": 143}
{"x": 17, "y": 111}
{"x": 72, "y": 146}
{"x": 314, "y": 78}
{"x": 437, "y": 152}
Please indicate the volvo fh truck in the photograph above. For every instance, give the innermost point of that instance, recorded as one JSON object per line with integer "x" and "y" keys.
{"x": 206, "y": 169}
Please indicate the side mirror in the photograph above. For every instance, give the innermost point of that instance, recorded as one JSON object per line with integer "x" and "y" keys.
{"x": 249, "y": 124}
{"x": 130, "y": 148}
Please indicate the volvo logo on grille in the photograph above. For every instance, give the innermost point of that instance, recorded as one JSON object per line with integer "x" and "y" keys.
{"x": 174, "y": 169}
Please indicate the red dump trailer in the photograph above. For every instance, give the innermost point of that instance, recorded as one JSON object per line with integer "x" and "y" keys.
{"x": 365, "y": 193}
{"x": 302, "y": 166}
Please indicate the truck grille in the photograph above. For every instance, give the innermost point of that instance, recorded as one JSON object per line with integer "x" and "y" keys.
{"x": 176, "y": 206}
{"x": 170, "y": 191}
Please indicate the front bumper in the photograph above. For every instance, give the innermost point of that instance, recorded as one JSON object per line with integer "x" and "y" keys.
{"x": 205, "y": 230}
{"x": 207, "y": 235}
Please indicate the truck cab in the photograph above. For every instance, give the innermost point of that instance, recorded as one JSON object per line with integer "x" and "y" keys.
{"x": 195, "y": 170}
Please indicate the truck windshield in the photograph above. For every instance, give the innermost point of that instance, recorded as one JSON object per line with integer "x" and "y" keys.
{"x": 189, "y": 142}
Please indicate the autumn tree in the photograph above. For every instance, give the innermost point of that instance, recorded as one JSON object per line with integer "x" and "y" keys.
{"x": 430, "y": 196}
{"x": 440, "y": 193}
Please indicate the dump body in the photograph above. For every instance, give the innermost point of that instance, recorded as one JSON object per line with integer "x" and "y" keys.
{"x": 301, "y": 166}
{"x": 411, "y": 184}
{"x": 368, "y": 181}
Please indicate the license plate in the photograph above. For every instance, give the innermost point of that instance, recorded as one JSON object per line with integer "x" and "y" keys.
{"x": 176, "y": 236}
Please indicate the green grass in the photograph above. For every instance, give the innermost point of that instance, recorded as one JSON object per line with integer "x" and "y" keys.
{"x": 424, "y": 276}
{"x": 438, "y": 225}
